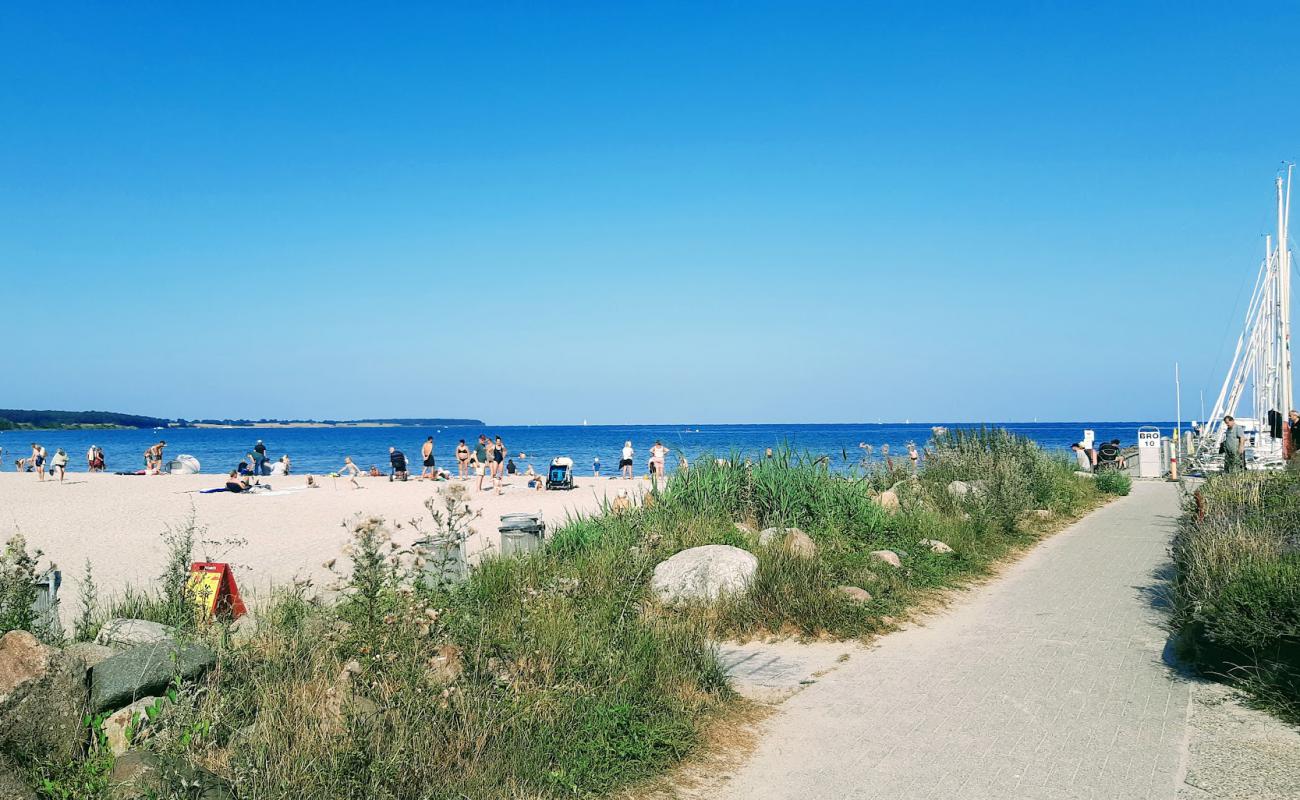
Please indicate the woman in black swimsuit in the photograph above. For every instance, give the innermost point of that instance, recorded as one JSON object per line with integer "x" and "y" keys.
{"x": 499, "y": 459}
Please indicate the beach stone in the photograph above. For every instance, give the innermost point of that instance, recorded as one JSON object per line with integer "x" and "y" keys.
{"x": 243, "y": 629}
{"x": 145, "y": 670}
{"x": 1043, "y": 513}
{"x": 90, "y": 653}
{"x": 704, "y": 573}
{"x": 959, "y": 488}
{"x": 854, "y": 593}
{"x": 138, "y": 775}
{"x": 446, "y": 666}
{"x": 888, "y": 500}
{"x": 770, "y": 536}
{"x": 42, "y": 700}
{"x": 887, "y": 556}
{"x": 798, "y": 543}
{"x": 124, "y": 633}
{"x": 116, "y": 724}
{"x": 935, "y": 546}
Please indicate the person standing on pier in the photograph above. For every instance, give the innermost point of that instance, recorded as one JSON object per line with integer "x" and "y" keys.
{"x": 1234, "y": 446}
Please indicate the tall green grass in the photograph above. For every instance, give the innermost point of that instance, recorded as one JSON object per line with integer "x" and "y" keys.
{"x": 1236, "y": 586}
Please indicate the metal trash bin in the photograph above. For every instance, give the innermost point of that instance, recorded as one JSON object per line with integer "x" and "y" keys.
{"x": 521, "y": 534}
{"x": 444, "y": 560}
{"x": 46, "y": 606}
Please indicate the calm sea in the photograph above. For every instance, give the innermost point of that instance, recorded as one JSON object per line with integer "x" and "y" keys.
{"x": 320, "y": 450}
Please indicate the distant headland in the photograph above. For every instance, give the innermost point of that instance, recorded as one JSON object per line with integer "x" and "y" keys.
{"x": 27, "y": 419}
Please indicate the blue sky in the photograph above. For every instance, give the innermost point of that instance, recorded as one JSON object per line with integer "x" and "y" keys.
{"x": 540, "y": 213}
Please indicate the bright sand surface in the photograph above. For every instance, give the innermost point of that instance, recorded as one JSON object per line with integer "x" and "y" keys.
{"x": 117, "y": 522}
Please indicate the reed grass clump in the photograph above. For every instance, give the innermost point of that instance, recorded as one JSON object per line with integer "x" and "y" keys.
{"x": 1236, "y": 587}
{"x": 1114, "y": 481}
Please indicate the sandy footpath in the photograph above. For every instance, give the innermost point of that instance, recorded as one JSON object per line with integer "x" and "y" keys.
{"x": 117, "y": 521}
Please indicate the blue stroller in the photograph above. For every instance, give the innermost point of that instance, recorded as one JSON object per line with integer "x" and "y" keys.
{"x": 560, "y": 475}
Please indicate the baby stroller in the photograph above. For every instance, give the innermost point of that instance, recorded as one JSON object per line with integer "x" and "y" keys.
{"x": 560, "y": 475}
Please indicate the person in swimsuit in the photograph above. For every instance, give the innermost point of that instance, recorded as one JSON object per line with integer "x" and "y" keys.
{"x": 481, "y": 458}
{"x": 38, "y": 460}
{"x": 657, "y": 454}
{"x": 349, "y": 468}
{"x": 462, "y": 460}
{"x": 153, "y": 459}
{"x": 426, "y": 458}
{"x": 625, "y": 463}
{"x": 234, "y": 483}
{"x": 499, "y": 457}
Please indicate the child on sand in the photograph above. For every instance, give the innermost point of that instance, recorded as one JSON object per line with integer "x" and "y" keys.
{"x": 59, "y": 463}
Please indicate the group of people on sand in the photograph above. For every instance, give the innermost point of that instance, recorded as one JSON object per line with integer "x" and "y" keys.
{"x": 37, "y": 462}
{"x": 656, "y": 464}
{"x": 488, "y": 461}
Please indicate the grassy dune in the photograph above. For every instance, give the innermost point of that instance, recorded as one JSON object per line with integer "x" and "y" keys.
{"x": 558, "y": 674}
{"x": 1237, "y": 585}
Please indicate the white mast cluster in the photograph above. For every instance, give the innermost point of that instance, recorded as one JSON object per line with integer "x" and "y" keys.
{"x": 1262, "y": 359}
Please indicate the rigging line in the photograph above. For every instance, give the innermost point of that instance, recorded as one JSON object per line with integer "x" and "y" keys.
{"x": 1227, "y": 327}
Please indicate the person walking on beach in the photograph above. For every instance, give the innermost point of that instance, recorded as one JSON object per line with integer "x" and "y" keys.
{"x": 426, "y": 458}
{"x": 625, "y": 461}
{"x": 259, "y": 458}
{"x": 481, "y": 458}
{"x": 462, "y": 460}
{"x": 59, "y": 463}
{"x": 595, "y": 467}
{"x": 1234, "y": 446}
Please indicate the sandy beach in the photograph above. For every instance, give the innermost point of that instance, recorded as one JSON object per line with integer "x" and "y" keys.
{"x": 117, "y": 521}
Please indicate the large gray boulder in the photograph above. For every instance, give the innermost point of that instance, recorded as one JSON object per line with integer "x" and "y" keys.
{"x": 124, "y": 633}
{"x": 145, "y": 670}
{"x": 704, "y": 573}
{"x": 42, "y": 700}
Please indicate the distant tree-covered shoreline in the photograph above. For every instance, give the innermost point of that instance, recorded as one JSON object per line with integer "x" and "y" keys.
{"x": 17, "y": 418}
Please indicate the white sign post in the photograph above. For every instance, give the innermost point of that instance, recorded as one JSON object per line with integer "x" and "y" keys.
{"x": 1150, "y": 465}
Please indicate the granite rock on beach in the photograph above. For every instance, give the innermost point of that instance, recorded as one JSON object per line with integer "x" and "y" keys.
{"x": 42, "y": 699}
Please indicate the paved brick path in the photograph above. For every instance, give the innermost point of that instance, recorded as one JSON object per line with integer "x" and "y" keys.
{"x": 1047, "y": 683}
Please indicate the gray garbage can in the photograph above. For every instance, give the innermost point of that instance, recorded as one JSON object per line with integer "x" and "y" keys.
{"x": 521, "y": 534}
{"x": 444, "y": 560}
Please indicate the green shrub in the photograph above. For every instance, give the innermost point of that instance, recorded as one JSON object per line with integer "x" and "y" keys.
{"x": 1236, "y": 585}
{"x": 18, "y": 589}
{"x": 1114, "y": 481}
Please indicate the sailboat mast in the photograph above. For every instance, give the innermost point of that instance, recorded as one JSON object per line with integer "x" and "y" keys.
{"x": 1284, "y": 283}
